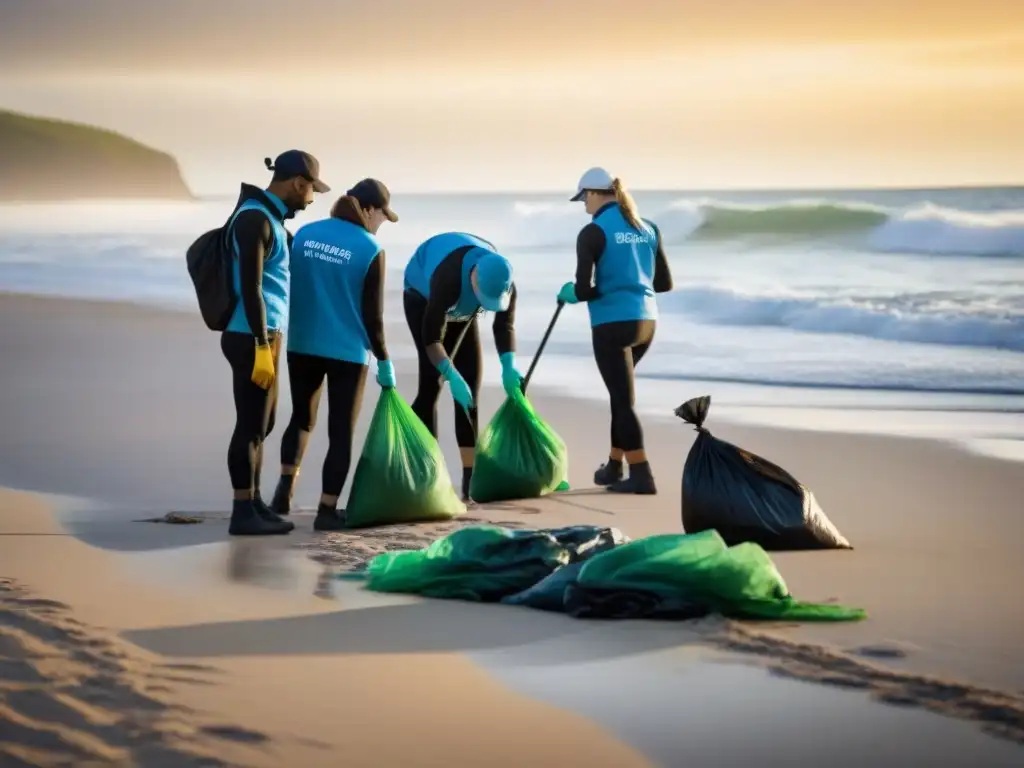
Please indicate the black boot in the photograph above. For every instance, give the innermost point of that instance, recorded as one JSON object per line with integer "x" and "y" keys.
{"x": 467, "y": 479}
{"x": 329, "y": 519}
{"x": 281, "y": 503}
{"x": 246, "y": 520}
{"x": 640, "y": 481}
{"x": 269, "y": 514}
{"x": 608, "y": 473}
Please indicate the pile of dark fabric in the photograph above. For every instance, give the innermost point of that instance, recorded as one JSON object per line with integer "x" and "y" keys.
{"x": 594, "y": 572}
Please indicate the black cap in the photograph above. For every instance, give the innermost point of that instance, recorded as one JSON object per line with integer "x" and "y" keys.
{"x": 294, "y": 163}
{"x": 373, "y": 194}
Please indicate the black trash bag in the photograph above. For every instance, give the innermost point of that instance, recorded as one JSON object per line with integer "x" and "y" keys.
{"x": 549, "y": 593}
{"x": 581, "y": 542}
{"x": 747, "y": 498}
{"x": 583, "y": 602}
{"x": 561, "y": 593}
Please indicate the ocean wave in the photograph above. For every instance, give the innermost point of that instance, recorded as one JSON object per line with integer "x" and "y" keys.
{"x": 924, "y": 229}
{"x": 943, "y": 318}
{"x": 933, "y": 229}
{"x": 793, "y": 217}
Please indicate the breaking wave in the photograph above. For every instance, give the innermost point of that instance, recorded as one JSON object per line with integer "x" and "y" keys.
{"x": 923, "y": 229}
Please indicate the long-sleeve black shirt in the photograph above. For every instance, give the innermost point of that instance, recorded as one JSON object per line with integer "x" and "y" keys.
{"x": 373, "y": 306}
{"x": 590, "y": 244}
{"x": 255, "y": 239}
{"x": 445, "y": 291}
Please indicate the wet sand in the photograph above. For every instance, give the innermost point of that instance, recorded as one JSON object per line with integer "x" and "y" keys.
{"x": 122, "y": 413}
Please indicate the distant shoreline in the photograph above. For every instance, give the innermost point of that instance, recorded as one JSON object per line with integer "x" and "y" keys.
{"x": 55, "y": 161}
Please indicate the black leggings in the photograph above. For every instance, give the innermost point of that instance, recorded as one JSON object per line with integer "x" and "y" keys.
{"x": 468, "y": 361}
{"x": 254, "y": 409}
{"x": 345, "y": 382}
{"x": 618, "y": 347}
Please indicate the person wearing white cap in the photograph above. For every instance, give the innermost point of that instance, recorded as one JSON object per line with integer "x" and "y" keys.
{"x": 620, "y": 266}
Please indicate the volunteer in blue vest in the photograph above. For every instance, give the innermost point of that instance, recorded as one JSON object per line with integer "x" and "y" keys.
{"x": 335, "y": 322}
{"x": 620, "y": 266}
{"x": 452, "y": 278}
{"x": 252, "y": 341}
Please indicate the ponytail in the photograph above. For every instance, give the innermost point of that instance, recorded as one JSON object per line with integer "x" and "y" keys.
{"x": 347, "y": 208}
{"x": 628, "y": 205}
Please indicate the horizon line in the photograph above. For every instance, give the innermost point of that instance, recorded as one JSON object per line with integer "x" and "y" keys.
{"x": 689, "y": 190}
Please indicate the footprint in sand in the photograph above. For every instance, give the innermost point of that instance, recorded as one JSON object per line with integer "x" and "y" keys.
{"x": 71, "y": 695}
{"x": 352, "y": 550}
{"x": 883, "y": 651}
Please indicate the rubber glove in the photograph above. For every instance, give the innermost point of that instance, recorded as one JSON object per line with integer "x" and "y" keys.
{"x": 460, "y": 389}
{"x": 568, "y": 294}
{"x": 263, "y": 367}
{"x": 511, "y": 379}
{"x": 386, "y": 374}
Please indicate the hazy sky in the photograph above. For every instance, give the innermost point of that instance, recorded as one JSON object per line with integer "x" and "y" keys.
{"x": 482, "y": 94}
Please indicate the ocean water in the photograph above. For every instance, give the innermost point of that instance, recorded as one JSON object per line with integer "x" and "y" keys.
{"x": 892, "y": 311}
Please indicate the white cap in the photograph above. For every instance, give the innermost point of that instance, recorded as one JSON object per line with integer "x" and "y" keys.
{"x": 596, "y": 179}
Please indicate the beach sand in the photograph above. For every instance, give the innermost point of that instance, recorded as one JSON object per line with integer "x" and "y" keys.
{"x": 114, "y": 413}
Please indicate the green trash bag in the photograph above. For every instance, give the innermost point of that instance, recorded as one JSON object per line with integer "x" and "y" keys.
{"x": 401, "y": 476}
{"x": 483, "y": 564}
{"x": 518, "y": 455}
{"x": 739, "y": 581}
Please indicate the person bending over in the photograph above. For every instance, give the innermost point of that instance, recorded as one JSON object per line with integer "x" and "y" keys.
{"x": 620, "y": 266}
{"x": 252, "y": 340}
{"x": 450, "y": 279}
{"x": 336, "y": 320}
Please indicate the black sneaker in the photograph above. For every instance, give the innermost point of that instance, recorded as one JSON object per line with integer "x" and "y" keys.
{"x": 268, "y": 514}
{"x": 329, "y": 519}
{"x": 639, "y": 482}
{"x": 247, "y": 521}
{"x": 608, "y": 473}
{"x": 281, "y": 503}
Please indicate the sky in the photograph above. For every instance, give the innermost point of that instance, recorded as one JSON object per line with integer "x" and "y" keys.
{"x": 432, "y": 95}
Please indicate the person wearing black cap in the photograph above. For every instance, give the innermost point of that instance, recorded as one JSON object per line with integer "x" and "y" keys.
{"x": 450, "y": 279}
{"x": 620, "y": 266}
{"x": 252, "y": 341}
{"x": 335, "y": 322}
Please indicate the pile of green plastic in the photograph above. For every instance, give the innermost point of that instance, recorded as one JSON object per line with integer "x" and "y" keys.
{"x": 490, "y": 563}
{"x": 401, "y": 476}
{"x": 482, "y": 564}
{"x": 518, "y": 455}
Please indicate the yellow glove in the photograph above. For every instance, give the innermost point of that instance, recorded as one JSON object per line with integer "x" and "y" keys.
{"x": 263, "y": 367}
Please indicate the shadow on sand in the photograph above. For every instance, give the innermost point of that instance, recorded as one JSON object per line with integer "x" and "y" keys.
{"x": 419, "y": 627}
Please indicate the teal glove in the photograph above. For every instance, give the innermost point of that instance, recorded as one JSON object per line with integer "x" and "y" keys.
{"x": 511, "y": 379}
{"x": 568, "y": 294}
{"x": 386, "y": 374}
{"x": 460, "y": 389}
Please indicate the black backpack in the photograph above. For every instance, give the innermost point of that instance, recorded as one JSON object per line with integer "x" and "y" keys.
{"x": 209, "y": 261}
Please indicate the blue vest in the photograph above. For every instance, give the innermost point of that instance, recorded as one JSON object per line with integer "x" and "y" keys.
{"x": 431, "y": 253}
{"x": 275, "y": 275}
{"x": 330, "y": 259}
{"x": 625, "y": 272}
